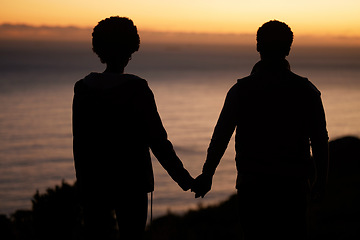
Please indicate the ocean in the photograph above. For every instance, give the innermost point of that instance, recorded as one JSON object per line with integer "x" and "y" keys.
{"x": 189, "y": 81}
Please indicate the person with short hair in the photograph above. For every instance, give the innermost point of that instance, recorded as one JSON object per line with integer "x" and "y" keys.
{"x": 278, "y": 116}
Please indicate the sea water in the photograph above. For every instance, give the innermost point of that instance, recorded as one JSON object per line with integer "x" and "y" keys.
{"x": 189, "y": 82}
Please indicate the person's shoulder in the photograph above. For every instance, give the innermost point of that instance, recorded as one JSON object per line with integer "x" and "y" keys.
{"x": 109, "y": 81}
{"x": 297, "y": 77}
{"x": 305, "y": 82}
{"x": 79, "y": 86}
{"x": 139, "y": 86}
{"x": 89, "y": 77}
{"x": 137, "y": 83}
{"x": 84, "y": 85}
{"x": 239, "y": 86}
{"x": 245, "y": 80}
{"x": 244, "y": 83}
{"x": 135, "y": 79}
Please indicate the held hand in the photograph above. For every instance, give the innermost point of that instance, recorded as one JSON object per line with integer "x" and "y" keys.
{"x": 202, "y": 185}
{"x": 185, "y": 181}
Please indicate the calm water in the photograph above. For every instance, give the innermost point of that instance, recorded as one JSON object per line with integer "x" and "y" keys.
{"x": 189, "y": 83}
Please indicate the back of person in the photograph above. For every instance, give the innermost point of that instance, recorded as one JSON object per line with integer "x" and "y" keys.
{"x": 115, "y": 124}
{"x": 109, "y": 137}
{"x": 274, "y": 118}
{"x": 276, "y": 114}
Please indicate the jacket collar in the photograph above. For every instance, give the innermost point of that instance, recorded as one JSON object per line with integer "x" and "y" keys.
{"x": 273, "y": 66}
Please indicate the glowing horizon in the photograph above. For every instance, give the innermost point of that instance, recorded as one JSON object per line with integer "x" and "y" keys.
{"x": 306, "y": 17}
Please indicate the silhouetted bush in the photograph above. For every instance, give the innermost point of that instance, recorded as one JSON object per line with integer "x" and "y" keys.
{"x": 57, "y": 211}
{"x": 56, "y": 214}
{"x": 23, "y": 224}
{"x": 338, "y": 216}
{"x": 6, "y": 228}
{"x": 213, "y": 222}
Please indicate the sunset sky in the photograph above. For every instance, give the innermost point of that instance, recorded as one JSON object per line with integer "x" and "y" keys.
{"x": 314, "y": 17}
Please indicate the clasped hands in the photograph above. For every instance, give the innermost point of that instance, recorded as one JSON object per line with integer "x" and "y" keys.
{"x": 202, "y": 185}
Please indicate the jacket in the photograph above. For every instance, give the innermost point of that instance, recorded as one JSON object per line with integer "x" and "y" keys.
{"x": 276, "y": 114}
{"x": 115, "y": 124}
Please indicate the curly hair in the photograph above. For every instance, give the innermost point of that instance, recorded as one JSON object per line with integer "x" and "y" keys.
{"x": 274, "y": 38}
{"x": 115, "y": 38}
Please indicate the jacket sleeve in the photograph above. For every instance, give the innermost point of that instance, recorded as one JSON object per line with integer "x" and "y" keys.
{"x": 159, "y": 144}
{"x": 319, "y": 139}
{"x": 78, "y": 145}
{"x": 222, "y": 133}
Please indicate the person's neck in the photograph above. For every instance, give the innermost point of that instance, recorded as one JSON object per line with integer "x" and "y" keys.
{"x": 272, "y": 59}
{"x": 271, "y": 64}
{"x": 114, "y": 69}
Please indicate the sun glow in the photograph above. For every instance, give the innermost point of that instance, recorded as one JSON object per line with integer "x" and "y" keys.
{"x": 210, "y": 16}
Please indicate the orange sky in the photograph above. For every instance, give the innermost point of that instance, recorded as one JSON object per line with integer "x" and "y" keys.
{"x": 326, "y": 17}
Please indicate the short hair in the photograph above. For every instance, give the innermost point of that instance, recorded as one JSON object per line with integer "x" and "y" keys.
{"x": 115, "y": 38}
{"x": 274, "y": 38}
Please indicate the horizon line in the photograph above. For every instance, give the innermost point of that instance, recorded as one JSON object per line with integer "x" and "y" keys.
{"x": 72, "y": 33}
{"x": 44, "y": 26}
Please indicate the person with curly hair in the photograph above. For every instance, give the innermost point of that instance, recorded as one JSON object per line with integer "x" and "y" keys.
{"x": 115, "y": 124}
{"x": 278, "y": 117}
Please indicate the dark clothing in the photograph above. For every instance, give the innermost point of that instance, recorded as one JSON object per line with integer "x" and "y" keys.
{"x": 276, "y": 114}
{"x": 271, "y": 208}
{"x": 131, "y": 216}
{"x": 115, "y": 123}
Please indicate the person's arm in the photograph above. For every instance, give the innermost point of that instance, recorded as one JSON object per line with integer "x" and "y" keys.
{"x": 320, "y": 148}
{"x": 223, "y": 131}
{"x": 161, "y": 147}
{"x": 220, "y": 139}
{"x": 78, "y": 145}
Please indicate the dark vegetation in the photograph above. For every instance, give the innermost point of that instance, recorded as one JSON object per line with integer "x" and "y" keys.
{"x": 57, "y": 214}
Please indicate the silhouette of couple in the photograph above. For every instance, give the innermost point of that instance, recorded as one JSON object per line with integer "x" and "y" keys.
{"x": 277, "y": 115}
